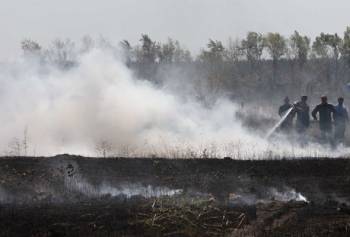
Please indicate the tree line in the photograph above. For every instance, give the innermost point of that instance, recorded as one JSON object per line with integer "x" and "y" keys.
{"x": 263, "y": 65}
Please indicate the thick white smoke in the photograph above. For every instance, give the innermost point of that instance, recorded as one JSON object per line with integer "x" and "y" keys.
{"x": 100, "y": 106}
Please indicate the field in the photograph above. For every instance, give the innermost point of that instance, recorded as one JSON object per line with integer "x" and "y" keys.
{"x": 76, "y": 196}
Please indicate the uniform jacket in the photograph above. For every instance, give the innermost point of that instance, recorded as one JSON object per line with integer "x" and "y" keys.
{"x": 325, "y": 113}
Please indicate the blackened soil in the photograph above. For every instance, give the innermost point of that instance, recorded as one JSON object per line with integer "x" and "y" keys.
{"x": 34, "y": 200}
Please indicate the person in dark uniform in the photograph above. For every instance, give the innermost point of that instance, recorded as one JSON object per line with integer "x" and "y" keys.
{"x": 325, "y": 112}
{"x": 283, "y": 109}
{"x": 303, "y": 115}
{"x": 302, "y": 111}
{"x": 341, "y": 118}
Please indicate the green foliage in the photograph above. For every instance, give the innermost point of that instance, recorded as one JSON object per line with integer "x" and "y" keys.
{"x": 345, "y": 47}
{"x": 167, "y": 51}
{"x": 327, "y": 46}
{"x": 150, "y": 50}
{"x": 253, "y": 46}
{"x": 172, "y": 52}
{"x": 181, "y": 55}
{"x": 223, "y": 67}
{"x": 276, "y": 45}
{"x": 300, "y": 46}
{"x": 214, "y": 53}
{"x": 234, "y": 51}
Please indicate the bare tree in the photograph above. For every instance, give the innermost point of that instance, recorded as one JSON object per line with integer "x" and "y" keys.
{"x": 15, "y": 147}
{"x": 103, "y": 148}
{"x": 25, "y": 141}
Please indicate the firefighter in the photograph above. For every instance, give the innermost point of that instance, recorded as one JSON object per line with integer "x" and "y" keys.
{"x": 283, "y": 109}
{"x": 302, "y": 111}
{"x": 325, "y": 112}
{"x": 303, "y": 115}
{"x": 341, "y": 118}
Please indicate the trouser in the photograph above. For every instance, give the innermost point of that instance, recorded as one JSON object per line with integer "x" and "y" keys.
{"x": 339, "y": 132}
{"x": 302, "y": 136}
{"x": 326, "y": 135}
{"x": 286, "y": 127}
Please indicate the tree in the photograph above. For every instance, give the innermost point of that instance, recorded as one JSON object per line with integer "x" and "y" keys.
{"x": 125, "y": 45}
{"x": 167, "y": 52}
{"x": 62, "y": 54}
{"x": 87, "y": 44}
{"x": 172, "y": 52}
{"x": 327, "y": 46}
{"x": 276, "y": 47}
{"x": 181, "y": 55}
{"x": 215, "y": 52}
{"x": 234, "y": 50}
{"x": 127, "y": 51}
{"x": 31, "y": 48}
{"x": 345, "y": 47}
{"x": 298, "y": 52}
{"x": 147, "y": 57}
{"x": 212, "y": 59}
{"x": 253, "y": 46}
{"x": 300, "y": 47}
{"x": 149, "y": 50}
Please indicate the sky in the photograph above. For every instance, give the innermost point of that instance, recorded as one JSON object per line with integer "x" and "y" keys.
{"x": 192, "y": 22}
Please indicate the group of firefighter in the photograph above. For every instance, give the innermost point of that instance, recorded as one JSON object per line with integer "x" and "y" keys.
{"x": 332, "y": 119}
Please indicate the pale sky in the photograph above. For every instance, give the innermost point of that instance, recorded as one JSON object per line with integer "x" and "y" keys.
{"x": 192, "y": 22}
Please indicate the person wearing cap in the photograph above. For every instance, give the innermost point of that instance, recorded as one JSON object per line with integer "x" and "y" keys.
{"x": 341, "y": 118}
{"x": 325, "y": 111}
{"x": 283, "y": 109}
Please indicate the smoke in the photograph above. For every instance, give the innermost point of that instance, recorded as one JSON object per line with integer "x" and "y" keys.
{"x": 78, "y": 184}
{"x": 99, "y": 106}
{"x": 287, "y": 195}
{"x": 269, "y": 194}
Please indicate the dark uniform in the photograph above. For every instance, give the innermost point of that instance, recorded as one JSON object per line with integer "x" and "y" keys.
{"x": 325, "y": 111}
{"x": 283, "y": 109}
{"x": 303, "y": 116}
{"x": 341, "y": 117}
{"x": 302, "y": 111}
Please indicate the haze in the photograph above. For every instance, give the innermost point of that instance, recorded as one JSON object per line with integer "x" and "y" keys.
{"x": 192, "y": 22}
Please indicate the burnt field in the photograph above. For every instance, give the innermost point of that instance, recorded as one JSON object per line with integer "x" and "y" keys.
{"x": 77, "y": 196}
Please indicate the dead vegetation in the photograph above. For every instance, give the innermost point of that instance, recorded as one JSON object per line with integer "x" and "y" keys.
{"x": 35, "y": 201}
{"x": 199, "y": 218}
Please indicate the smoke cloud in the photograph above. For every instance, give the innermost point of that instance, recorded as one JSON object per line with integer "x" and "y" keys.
{"x": 100, "y": 108}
